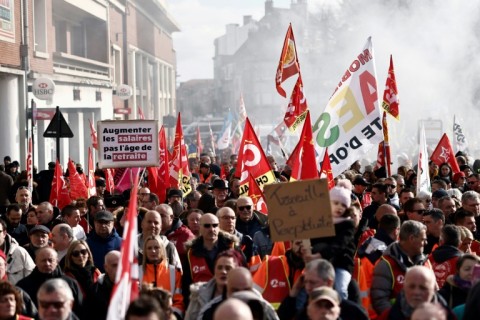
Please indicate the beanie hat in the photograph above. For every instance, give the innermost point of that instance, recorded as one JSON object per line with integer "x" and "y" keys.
{"x": 341, "y": 195}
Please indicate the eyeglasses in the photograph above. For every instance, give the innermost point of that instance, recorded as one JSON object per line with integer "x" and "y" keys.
{"x": 228, "y": 217}
{"x": 420, "y": 211}
{"x": 391, "y": 185}
{"x": 48, "y": 304}
{"x": 143, "y": 194}
{"x": 77, "y": 253}
{"x": 209, "y": 225}
{"x": 241, "y": 208}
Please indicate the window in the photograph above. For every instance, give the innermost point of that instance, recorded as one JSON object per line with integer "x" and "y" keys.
{"x": 117, "y": 65}
{"x": 40, "y": 26}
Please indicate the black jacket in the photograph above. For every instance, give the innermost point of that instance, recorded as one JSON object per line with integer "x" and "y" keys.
{"x": 258, "y": 221}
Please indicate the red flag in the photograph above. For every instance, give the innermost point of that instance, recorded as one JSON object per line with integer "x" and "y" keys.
{"x": 29, "y": 166}
{"x": 252, "y": 159}
{"x": 179, "y": 171}
{"x": 288, "y": 64}
{"x": 383, "y": 155}
{"x": 126, "y": 181}
{"x": 297, "y": 107}
{"x": 126, "y": 283}
{"x": 277, "y": 136}
{"x": 390, "y": 95}
{"x": 141, "y": 116}
{"x": 59, "y": 196}
{"x": 109, "y": 180}
{"x": 93, "y": 135}
{"x": 443, "y": 153}
{"x": 326, "y": 170}
{"x": 302, "y": 161}
{"x": 256, "y": 194}
{"x": 78, "y": 189}
{"x": 92, "y": 191}
{"x": 199, "y": 142}
{"x": 163, "y": 169}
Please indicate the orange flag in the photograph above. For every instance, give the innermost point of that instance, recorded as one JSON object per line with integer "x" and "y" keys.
{"x": 78, "y": 189}
{"x": 256, "y": 194}
{"x": 92, "y": 191}
{"x": 288, "y": 64}
{"x": 252, "y": 159}
{"x": 179, "y": 171}
{"x": 443, "y": 153}
{"x": 326, "y": 170}
{"x": 390, "y": 95}
{"x": 93, "y": 135}
{"x": 297, "y": 107}
{"x": 59, "y": 196}
{"x": 302, "y": 161}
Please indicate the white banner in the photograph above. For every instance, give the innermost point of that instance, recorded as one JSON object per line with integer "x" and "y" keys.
{"x": 423, "y": 177}
{"x": 351, "y": 123}
{"x": 459, "y": 141}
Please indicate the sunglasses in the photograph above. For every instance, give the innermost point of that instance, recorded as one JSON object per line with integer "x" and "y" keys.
{"x": 241, "y": 208}
{"x": 209, "y": 225}
{"x": 77, "y": 253}
{"x": 390, "y": 185}
{"x": 420, "y": 211}
{"x": 48, "y": 304}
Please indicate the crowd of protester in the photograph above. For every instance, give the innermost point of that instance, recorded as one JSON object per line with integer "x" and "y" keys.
{"x": 396, "y": 253}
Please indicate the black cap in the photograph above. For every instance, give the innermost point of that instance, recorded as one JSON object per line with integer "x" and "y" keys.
{"x": 204, "y": 165}
{"x": 100, "y": 183}
{"x": 39, "y": 228}
{"x": 361, "y": 181}
{"x": 104, "y": 216}
{"x": 174, "y": 193}
{"x": 219, "y": 184}
{"x": 114, "y": 201}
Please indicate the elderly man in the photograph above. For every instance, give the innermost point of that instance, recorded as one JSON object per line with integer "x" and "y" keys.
{"x": 249, "y": 221}
{"x": 220, "y": 192}
{"x": 23, "y": 197}
{"x": 389, "y": 272}
{"x": 233, "y": 309}
{"x": 227, "y": 219}
{"x": 471, "y": 202}
{"x": 150, "y": 201}
{"x": 45, "y": 215}
{"x": 173, "y": 228}
{"x": 62, "y": 237}
{"x": 202, "y": 252}
{"x": 55, "y": 301}
{"x": 419, "y": 288}
{"x": 39, "y": 236}
{"x": 103, "y": 238}
{"x": 47, "y": 268}
{"x": 20, "y": 264}
{"x": 318, "y": 273}
{"x": 151, "y": 226}
{"x": 447, "y": 205}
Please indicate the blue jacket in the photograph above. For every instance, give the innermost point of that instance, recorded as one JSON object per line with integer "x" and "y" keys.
{"x": 101, "y": 246}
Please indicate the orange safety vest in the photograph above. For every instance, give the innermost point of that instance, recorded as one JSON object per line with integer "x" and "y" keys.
{"x": 207, "y": 179}
{"x": 444, "y": 269}
{"x": 167, "y": 277}
{"x": 271, "y": 279}
{"x": 363, "y": 276}
{"x": 198, "y": 268}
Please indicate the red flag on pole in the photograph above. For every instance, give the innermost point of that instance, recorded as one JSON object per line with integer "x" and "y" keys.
{"x": 109, "y": 180}
{"x": 256, "y": 194}
{"x": 303, "y": 161}
{"x": 288, "y": 64}
{"x": 443, "y": 153}
{"x": 126, "y": 283}
{"x": 164, "y": 168}
{"x": 91, "y": 187}
{"x": 199, "y": 142}
{"x": 29, "y": 166}
{"x": 78, "y": 189}
{"x": 93, "y": 135}
{"x": 326, "y": 170}
{"x": 297, "y": 107}
{"x": 59, "y": 196}
{"x": 383, "y": 155}
{"x": 141, "y": 115}
{"x": 179, "y": 171}
{"x": 390, "y": 95}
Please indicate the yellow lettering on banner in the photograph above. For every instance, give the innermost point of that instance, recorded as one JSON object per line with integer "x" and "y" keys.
{"x": 262, "y": 180}
{"x": 186, "y": 186}
{"x": 349, "y": 104}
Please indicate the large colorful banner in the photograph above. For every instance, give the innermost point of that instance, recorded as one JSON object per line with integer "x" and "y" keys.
{"x": 351, "y": 123}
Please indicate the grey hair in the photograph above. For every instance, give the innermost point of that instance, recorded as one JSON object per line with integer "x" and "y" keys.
{"x": 411, "y": 228}
{"x": 323, "y": 268}
{"x": 65, "y": 229}
{"x": 47, "y": 204}
{"x": 56, "y": 285}
{"x": 165, "y": 207}
{"x": 470, "y": 195}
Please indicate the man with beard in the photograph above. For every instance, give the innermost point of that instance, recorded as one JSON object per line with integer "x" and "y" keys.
{"x": 220, "y": 192}
{"x": 23, "y": 197}
{"x": 17, "y": 230}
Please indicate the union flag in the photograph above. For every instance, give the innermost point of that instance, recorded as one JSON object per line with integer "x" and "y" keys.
{"x": 288, "y": 65}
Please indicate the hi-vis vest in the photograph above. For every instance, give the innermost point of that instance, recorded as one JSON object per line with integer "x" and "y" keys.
{"x": 198, "y": 268}
{"x": 444, "y": 269}
{"x": 271, "y": 279}
{"x": 398, "y": 276}
{"x": 363, "y": 275}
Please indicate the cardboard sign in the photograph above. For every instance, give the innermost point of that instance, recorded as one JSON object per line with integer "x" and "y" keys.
{"x": 299, "y": 210}
{"x": 128, "y": 143}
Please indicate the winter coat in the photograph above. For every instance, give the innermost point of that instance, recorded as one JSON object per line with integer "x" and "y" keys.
{"x": 453, "y": 294}
{"x": 249, "y": 228}
{"x": 179, "y": 235}
{"x": 19, "y": 262}
{"x": 200, "y": 294}
{"x": 101, "y": 246}
{"x": 444, "y": 260}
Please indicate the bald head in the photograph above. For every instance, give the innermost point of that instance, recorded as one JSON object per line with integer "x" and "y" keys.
{"x": 419, "y": 286}
{"x": 111, "y": 264}
{"x": 233, "y": 309}
{"x": 239, "y": 279}
{"x": 384, "y": 210}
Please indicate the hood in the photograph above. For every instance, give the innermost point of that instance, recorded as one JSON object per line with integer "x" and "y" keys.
{"x": 176, "y": 223}
{"x": 444, "y": 253}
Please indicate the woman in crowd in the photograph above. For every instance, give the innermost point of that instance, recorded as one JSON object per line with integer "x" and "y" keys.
{"x": 157, "y": 271}
{"x": 466, "y": 237}
{"x": 79, "y": 266}
{"x": 11, "y": 302}
{"x": 32, "y": 220}
{"x": 456, "y": 288}
{"x": 445, "y": 171}
{"x": 202, "y": 292}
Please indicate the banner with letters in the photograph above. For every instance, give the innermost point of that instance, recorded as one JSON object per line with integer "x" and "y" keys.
{"x": 351, "y": 124}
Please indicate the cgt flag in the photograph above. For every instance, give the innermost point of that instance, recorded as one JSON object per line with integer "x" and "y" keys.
{"x": 297, "y": 107}
{"x": 256, "y": 194}
{"x": 443, "y": 153}
{"x": 351, "y": 125}
{"x": 252, "y": 160}
{"x": 326, "y": 170}
{"x": 288, "y": 65}
{"x": 59, "y": 196}
{"x": 302, "y": 161}
{"x": 93, "y": 135}
{"x": 78, "y": 189}
{"x": 126, "y": 282}
{"x": 390, "y": 95}
{"x": 179, "y": 171}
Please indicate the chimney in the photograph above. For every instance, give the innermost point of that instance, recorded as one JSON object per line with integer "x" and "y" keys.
{"x": 246, "y": 20}
{"x": 268, "y": 6}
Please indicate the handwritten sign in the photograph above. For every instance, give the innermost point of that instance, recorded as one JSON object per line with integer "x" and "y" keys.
{"x": 299, "y": 210}
{"x": 128, "y": 143}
